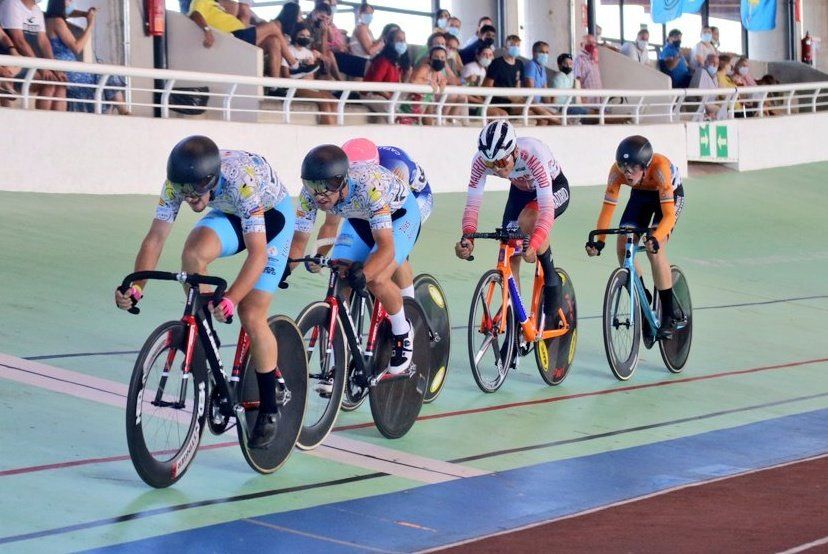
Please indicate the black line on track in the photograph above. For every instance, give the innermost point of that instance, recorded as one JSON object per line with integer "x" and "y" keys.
{"x": 216, "y": 501}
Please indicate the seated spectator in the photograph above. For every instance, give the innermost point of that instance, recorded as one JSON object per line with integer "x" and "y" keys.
{"x": 773, "y": 103}
{"x": 22, "y": 20}
{"x": 429, "y": 73}
{"x": 473, "y": 75}
{"x": 507, "y": 72}
{"x": 309, "y": 63}
{"x": 565, "y": 79}
{"x": 535, "y": 77}
{"x": 209, "y": 15}
{"x": 485, "y": 36}
{"x": 513, "y": 42}
{"x": 441, "y": 21}
{"x": 705, "y": 78}
{"x": 638, "y": 50}
{"x": 434, "y": 39}
{"x": 320, "y": 21}
{"x": 741, "y": 73}
{"x": 246, "y": 15}
{"x": 337, "y": 38}
{"x": 7, "y": 48}
{"x": 482, "y": 22}
{"x": 586, "y": 67}
{"x": 454, "y": 28}
{"x": 363, "y": 43}
{"x": 671, "y": 61}
{"x": 66, "y": 47}
{"x": 453, "y": 60}
{"x": 702, "y": 49}
{"x": 391, "y": 65}
{"x": 723, "y": 75}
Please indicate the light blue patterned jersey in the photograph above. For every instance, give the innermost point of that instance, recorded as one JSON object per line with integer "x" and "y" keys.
{"x": 247, "y": 188}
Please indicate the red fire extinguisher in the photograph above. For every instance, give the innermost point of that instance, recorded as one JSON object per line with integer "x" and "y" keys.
{"x": 807, "y": 49}
{"x": 155, "y": 14}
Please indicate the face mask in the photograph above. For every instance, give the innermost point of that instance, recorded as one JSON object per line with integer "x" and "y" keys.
{"x": 566, "y": 70}
{"x": 706, "y": 37}
{"x": 712, "y": 69}
{"x": 333, "y": 10}
{"x": 514, "y": 51}
{"x": 70, "y": 8}
{"x": 303, "y": 41}
{"x": 438, "y": 65}
{"x": 366, "y": 18}
{"x": 589, "y": 48}
{"x": 485, "y": 62}
{"x": 543, "y": 59}
{"x": 488, "y": 42}
{"x": 642, "y": 44}
{"x": 442, "y": 22}
{"x": 401, "y": 48}
{"x": 744, "y": 70}
{"x": 454, "y": 31}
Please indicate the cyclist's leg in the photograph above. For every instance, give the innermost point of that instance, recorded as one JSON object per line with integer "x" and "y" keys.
{"x": 212, "y": 237}
{"x": 638, "y": 213}
{"x": 662, "y": 274}
{"x": 352, "y": 244}
{"x": 515, "y": 203}
{"x": 404, "y": 278}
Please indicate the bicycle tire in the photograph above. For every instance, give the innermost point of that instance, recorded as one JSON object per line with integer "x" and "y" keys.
{"x": 321, "y": 411}
{"x": 294, "y": 367}
{"x": 355, "y": 395}
{"x": 622, "y": 358}
{"x": 432, "y": 299}
{"x": 554, "y": 356}
{"x": 395, "y": 404}
{"x": 158, "y": 465}
{"x": 490, "y": 330}
{"x": 676, "y": 350}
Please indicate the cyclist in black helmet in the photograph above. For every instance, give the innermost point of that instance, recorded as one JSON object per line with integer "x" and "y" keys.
{"x": 656, "y": 201}
{"x": 251, "y": 210}
{"x": 381, "y": 227}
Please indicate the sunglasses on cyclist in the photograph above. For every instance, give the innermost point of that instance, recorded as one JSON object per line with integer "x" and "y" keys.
{"x": 196, "y": 190}
{"x": 500, "y": 164}
{"x": 325, "y": 187}
{"x": 626, "y": 167}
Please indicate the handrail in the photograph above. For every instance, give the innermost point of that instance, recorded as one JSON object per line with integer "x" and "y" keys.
{"x": 646, "y": 106}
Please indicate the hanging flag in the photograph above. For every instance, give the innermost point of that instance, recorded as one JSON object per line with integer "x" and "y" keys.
{"x": 759, "y": 15}
{"x": 664, "y": 11}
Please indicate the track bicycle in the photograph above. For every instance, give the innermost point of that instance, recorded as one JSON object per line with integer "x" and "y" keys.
{"x": 628, "y": 317}
{"x": 329, "y": 333}
{"x": 172, "y": 395}
{"x": 500, "y": 329}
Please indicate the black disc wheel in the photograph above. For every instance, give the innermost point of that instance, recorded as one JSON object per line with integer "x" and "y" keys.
{"x": 294, "y": 368}
{"x": 166, "y": 408}
{"x": 622, "y": 330}
{"x": 433, "y": 300}
{"x": 554, "y": 356}
{"x": 491, "y": 332}
{"x": 676, "y": 350}
{"x": 326, "y": 372}
{"x": 396, "y": 403}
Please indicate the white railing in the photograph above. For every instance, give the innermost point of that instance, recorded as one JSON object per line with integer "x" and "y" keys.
{"x": 350, "y": 101}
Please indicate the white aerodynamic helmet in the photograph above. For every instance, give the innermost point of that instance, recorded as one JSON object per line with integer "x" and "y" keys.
{"x": 497, "y": 140}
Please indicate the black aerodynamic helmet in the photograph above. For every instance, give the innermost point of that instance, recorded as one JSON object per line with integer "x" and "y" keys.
{"x": 634, "y": 150}
{"x": 194, "y": 165}
{"x": 325, "y": 168}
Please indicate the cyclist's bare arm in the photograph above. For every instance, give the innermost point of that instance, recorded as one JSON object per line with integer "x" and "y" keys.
{"x": 254, "y": 265}
{"x": 327, "y": 234}
{"x": 297, "y": 246}
{"x": 152, "y": 246}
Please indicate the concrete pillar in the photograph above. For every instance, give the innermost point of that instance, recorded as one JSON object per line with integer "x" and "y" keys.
{"x": 546, "y": 20}
{"x": 771, "y": 45}
{"x": 470, "y": 11}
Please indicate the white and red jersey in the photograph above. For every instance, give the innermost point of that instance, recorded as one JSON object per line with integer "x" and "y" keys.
{"x": 535, "y": 169}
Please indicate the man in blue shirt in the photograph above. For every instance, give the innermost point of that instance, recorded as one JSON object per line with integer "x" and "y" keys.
{"x": 671, "y": 61}
{"x": 534, "y": 76}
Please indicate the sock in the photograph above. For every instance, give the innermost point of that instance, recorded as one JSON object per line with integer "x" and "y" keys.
{"x": 666, "y": 298}
{"x": 399, "y": 325}
{"x": 552, "y": 283}
{"x": 267, "y": 391}
{"x": 408, "y": 292}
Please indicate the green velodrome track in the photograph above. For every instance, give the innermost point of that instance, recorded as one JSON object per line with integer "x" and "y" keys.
{"x": 753, "y": 246}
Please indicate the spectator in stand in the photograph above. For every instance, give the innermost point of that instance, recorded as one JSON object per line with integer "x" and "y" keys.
{"x": 7, "y": 48}
{"x": 715, "y": 42}
{"x": 724, "y": 79}
{"x": 363, "y": 43}
{"x": 485, "y": 37}
{"x": 702, "y": 49}
{"x": 565, "y": 79}
{"x": 453, "y": 61}
{"x": 22, "y": 21}
{"x": 209, "y": 15}
{"x": 671, "y": 61}
{"x": 507, "y": 72}
{"x": 705, "y": 78}
{"x": 638, "y": 50}
{"x": 430, "y": 73}
{"x": 773, "y": 103}
{"x": 66, "y": 47}
{"x": 586, "y": 67}
{"x": 309, "y": 63}
{"x": 320, "y": 22}
{"x": 482, "y": 22}
{"x": 441, "y": 21}
{"x": 391, "y": 65}
{"x": 434, "y": 39}
{"x": 474, "y": 74}
{"x": 741, "y": 73}
{"x": 454, "y": 28}
{"x": 246, "y": 15}
{"x": 535, "y": 77}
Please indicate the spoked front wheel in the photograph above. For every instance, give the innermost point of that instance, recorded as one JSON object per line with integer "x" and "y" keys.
{"x": 326, "y": 372}
{"x": 396, "y": 403}
{"x": 431, "y": 297}
{"x": 166, "y": 408}
{"x": 622, "y": 324}
{"x": 294, "y": 367}
{"x": 676, "y": 350}
{"x": 491, "y": 332}
{"x": 554, "y": 356}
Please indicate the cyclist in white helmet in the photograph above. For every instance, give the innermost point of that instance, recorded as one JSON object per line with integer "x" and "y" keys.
{"x": 538, "y": 196}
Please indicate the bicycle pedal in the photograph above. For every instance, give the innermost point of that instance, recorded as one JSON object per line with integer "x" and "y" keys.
{"x": 388, "y": 376}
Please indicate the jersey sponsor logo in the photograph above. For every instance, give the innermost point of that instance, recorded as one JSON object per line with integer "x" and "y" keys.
{"x": 561, "y": 197}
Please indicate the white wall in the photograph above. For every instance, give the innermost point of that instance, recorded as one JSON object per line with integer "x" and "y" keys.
{"x": 782, "y": 141}
{"x": 128, "y": 155}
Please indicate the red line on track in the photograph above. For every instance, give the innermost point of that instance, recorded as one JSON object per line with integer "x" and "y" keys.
{"x": 60, "y": 465}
